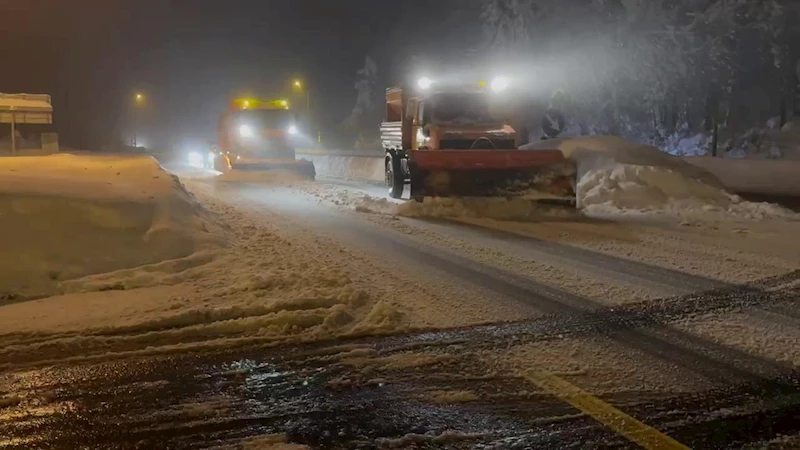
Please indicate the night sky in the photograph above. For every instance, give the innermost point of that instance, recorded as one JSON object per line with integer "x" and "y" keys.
{"x": 187, "y": 56}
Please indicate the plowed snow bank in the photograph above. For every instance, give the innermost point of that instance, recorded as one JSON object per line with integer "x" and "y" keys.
{"x": 626, "y": 188}
{"x": 271, "y": 283}
{"x": 66, "y": 216}
{"x": 621, "y": 177}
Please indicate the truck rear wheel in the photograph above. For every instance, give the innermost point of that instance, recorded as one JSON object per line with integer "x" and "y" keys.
{"x": 395, "y": 180}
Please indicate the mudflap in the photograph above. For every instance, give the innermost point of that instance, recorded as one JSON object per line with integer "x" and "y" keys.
{"x": 302, "y": 167}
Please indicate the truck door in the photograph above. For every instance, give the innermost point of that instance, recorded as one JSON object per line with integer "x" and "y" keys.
{"x": 420, "y": 122}
{"x": 409, "y": 122}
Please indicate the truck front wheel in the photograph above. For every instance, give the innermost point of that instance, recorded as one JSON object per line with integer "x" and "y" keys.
{"x": 395, "y": 180}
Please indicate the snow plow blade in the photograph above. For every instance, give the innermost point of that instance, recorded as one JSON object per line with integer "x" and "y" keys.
{"x": 299, "y": 166}
{"x": 542, "y": 175}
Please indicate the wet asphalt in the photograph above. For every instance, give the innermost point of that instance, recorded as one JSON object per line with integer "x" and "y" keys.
{"x": 315, "y": 394}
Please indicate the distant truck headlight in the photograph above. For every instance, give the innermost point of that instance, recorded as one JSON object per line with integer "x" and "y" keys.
{"x": 196, "y": 160}
{"x": 292, "y": 129}
{"x": 500, "y": 84}
{"x": 246, "y": 131}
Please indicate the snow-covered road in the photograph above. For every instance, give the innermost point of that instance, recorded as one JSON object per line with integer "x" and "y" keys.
{"x": 334, "y": 317}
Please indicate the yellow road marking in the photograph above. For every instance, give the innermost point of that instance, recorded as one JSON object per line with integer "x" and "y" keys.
{"x": 636, "y": 431}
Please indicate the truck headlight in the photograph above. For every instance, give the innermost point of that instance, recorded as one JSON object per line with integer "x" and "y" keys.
{"x": 196, "y": 160}
{"x": 424, "y": 83}
{"x": 500, "y": 84}
{"x": 246, "y": 131}
{"x": 292, "y": 129}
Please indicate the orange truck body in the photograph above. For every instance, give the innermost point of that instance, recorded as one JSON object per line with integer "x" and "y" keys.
{"x": 476, "y": 156}
{"x": 256, "y": 134}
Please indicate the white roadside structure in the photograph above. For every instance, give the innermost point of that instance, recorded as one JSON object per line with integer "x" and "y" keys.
{"x": 28, "y": 109}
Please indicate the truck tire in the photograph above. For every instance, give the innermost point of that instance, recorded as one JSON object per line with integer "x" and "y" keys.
{"x": 395, "y": 180}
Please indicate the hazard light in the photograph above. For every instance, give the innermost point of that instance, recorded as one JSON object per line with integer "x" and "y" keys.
{"x": 245, "y": 103}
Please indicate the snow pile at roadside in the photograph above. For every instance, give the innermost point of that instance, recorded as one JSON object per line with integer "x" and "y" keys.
{"x": 66, "y": 216}
{"x": 621, "y": 177}
{"x": 272, "y": 283}
{"x": 627, "y": 188}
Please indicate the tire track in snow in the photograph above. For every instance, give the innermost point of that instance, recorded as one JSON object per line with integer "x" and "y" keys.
{"x": 713, "y": 361}
{"x": 672, "y": 281}
{"x": 602, "y": 264}
{"x": 662, "y": 341}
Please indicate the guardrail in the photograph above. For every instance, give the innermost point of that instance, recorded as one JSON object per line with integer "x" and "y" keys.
{"x": 776, "y": 177}
{"x": 351, "y": 164}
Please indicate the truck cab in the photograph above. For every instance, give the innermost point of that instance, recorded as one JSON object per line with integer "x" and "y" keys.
{"x": 456, "y": 140}
{"x": 252, "y": 130}
{"x": 451, "y": 118}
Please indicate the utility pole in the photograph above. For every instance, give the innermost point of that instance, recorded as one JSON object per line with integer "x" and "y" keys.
{"x": 139, "y": 102}
{"x": 299, "y": 86}
{"x": 13, "y": 133}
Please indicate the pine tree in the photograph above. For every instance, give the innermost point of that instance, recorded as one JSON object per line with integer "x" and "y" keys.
{"x": 366, "y": 80}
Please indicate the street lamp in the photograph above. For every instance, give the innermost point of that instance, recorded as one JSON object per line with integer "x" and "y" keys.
{"x": 298, "y": 85}
{"x": 139, "y": 101}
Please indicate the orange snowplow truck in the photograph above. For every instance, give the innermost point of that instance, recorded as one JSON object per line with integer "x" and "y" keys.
{"x": 449, "y": 141}
{"x": 259, "y": 134}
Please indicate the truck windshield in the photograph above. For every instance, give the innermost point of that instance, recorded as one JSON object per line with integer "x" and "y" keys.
{"x": 460, "y": 107}
{"x": 265, "y": 118}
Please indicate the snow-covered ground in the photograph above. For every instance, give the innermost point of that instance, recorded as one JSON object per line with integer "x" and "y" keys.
{"x": 476, "y": 299}
{"x": 270, "y": 282}
{"x": 66, "y": 216}
{"x": 472, "y": 294}
{"x": 716, "y": 243}
{"x": 262, "y": 287}
{"x": 274, "y": 258}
